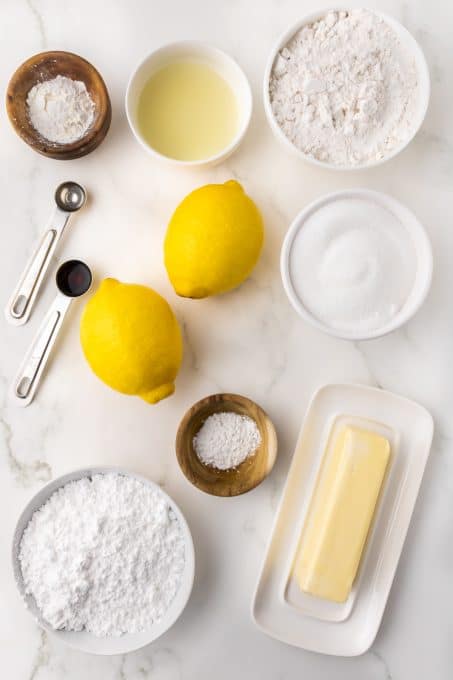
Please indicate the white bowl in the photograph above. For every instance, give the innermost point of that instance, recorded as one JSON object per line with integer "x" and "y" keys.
{"x": 406, "y": 39}
{"x": 220, "y": 62}
{"x": 84, "y": 641}
{"x": 423, "y": 253}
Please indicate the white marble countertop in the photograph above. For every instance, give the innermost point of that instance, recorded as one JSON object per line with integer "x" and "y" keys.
{"x": 249, "y": 341}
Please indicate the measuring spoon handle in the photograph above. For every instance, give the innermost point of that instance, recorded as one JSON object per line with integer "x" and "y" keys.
{"x": 21, "y": 302}
{"x": 30, "y": 372}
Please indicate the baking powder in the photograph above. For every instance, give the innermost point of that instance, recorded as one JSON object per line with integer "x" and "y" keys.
{"x": 61, "y": 109}
{"x": 345, "y": 90}
{"x": 226, "y": 439}
{"x": 103, "y": 554}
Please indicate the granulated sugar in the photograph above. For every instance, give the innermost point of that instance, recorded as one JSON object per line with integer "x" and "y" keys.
{"x": 225, "y": 440}
{"x": 353, "y": 265}
{"x": 104, "y": 554}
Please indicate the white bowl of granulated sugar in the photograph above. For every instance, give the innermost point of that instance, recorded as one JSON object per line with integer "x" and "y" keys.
{"x": 346, "y": 89}
{"x": 104, "y": 560}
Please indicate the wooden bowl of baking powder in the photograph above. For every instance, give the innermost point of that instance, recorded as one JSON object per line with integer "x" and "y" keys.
{"x": 45, "y": 67}
{"x": 233, "y": 481}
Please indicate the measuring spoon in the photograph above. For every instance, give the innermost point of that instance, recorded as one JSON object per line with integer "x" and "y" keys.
{"x": 73, "y": 280}
{"x": 69, "y": 197}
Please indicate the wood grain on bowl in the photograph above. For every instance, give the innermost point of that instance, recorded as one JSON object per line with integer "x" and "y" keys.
{"x": 248, "y": 474}
{"x": 45, "y": 66}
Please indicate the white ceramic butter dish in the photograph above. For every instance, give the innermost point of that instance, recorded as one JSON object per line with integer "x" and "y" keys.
{"x": 347, "y": 629}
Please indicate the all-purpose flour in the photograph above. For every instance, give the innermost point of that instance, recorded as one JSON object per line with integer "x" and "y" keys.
{"x": 104, "y": 554}
{"x": 344, "y": 90}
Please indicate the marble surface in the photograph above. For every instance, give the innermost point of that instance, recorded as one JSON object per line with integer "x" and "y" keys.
{"x": 249, "y": 341}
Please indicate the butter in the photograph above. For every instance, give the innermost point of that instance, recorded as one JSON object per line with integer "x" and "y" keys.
{"x": 340, "y": 514}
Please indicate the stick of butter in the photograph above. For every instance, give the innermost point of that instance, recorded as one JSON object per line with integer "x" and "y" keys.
{"x": 340, "y": 514}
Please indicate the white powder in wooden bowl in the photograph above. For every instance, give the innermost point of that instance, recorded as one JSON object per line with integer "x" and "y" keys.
{"x": 60, "y": 109}
{"x": 226, "y": 439}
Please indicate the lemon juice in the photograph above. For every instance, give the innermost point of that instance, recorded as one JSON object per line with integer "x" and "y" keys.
{"x": 188, "y": 111}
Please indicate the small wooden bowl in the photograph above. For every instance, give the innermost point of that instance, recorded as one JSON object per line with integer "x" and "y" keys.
{"x": 248, "y": 474}
{"x": 45, "y": 66}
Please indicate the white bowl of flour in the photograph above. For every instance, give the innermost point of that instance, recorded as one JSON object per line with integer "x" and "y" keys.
{"x": 104, "y": 560}
{"x": 356, "y": 264}
{"x": 346, "y": 88}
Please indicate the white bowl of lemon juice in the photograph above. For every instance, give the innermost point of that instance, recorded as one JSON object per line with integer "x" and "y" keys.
{"x": 189, "y": 103}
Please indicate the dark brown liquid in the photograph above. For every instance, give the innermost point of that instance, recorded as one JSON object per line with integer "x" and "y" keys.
{"x": 74, "y": 278}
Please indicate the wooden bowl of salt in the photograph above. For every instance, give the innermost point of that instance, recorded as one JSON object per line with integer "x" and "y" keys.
{"x": 235, "y": 480}
{"x": 46, "y": 66}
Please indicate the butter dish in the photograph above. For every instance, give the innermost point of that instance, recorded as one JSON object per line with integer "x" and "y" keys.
{"x": 348, "y": 628}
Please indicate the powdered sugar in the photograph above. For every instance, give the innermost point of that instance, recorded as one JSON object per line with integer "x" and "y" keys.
{"x": 226, "y": 439}
{"x": 104, "y": 554}
{"x": 344, "y": 90}
{"x": 60, "y": 109}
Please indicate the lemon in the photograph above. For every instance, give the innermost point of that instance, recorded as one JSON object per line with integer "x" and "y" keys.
{"x": 131, "y": 340}
{"x": 213, "y": 240}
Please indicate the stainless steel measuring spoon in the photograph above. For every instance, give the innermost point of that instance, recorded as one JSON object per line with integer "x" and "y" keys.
{"x": 69, "y": 197}
{"x": 73, "y": 280}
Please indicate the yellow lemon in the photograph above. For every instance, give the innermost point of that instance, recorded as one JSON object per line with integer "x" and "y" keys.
{"x": 213, "y": 240}
{"x": 131, "y": 339}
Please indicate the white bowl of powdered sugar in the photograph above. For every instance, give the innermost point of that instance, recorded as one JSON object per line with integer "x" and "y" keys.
{"x": 346, "y": 88}
{"x": 104, "y": 560}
